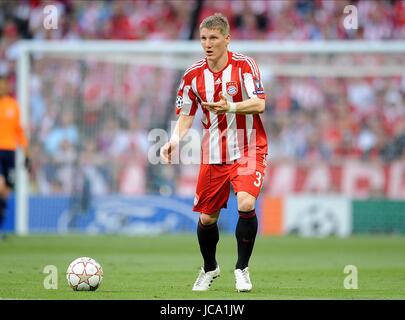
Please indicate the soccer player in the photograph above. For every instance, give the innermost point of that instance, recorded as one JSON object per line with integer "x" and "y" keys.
{"x": 12, "y": 136}
{"x": 228, "y": 88}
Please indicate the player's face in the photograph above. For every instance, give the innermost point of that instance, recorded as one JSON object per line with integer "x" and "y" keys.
{"x": 214, "y": 43}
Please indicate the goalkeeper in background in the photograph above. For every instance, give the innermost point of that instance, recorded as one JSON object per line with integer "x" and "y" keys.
{"x": 12, "y": 136}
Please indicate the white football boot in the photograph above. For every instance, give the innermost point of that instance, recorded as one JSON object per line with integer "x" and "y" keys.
{"x": 242, "y": 280}
{"x": 204, "y": 279}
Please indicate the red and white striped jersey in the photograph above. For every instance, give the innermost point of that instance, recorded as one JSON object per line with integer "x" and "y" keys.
{"x": 228, "y": 136}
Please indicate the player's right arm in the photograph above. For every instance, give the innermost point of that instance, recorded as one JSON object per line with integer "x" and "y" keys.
{"x": 183, "y": 124}
{"x": 186, "y": 108}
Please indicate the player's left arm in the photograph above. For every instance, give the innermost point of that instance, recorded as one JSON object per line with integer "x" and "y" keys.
{"x": 249, "y": 106}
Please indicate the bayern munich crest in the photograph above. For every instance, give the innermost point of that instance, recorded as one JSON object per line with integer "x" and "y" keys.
{"x": 231, "y": 88}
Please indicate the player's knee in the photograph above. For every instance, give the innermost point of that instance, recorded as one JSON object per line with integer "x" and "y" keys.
{"x": 3, "y": 187}
{"x": 246, "y": 203}
{"x": 246, "y": 206}
{"x": 207, "y": 219}
{"x": 2, "y": 182}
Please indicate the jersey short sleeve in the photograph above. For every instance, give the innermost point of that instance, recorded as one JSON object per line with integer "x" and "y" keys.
{"x": 186, "y": 100}
{"x": 252, "y": 80}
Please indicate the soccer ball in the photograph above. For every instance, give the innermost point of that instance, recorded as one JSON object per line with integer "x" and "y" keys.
{"x": 84, "y": 274}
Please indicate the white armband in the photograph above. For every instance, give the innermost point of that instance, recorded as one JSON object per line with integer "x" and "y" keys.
{"x": 232, "y": 107}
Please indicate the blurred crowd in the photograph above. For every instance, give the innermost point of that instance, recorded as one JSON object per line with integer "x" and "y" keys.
{"x": 170, "y": 20}
{"x": 82, "y": 128}
{"x": 335, "y": 119}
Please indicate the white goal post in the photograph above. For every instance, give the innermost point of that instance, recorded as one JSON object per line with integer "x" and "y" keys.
{"x": 181, "y": 54}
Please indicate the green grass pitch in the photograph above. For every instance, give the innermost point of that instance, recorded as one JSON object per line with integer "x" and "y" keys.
{"x": 165, "y": 267}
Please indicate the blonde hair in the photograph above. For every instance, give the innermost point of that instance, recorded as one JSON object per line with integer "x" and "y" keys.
{"x": 216, "y": 21}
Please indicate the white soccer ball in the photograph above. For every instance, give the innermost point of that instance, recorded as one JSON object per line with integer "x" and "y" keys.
{"x": 84, "y": 274}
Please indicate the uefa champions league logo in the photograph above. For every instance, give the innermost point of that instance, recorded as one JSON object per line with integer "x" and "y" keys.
{"x": 179, "y": 102}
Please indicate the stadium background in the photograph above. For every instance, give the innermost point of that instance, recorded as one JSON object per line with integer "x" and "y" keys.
{"x": 336, "y": 163}
{"x": 337, "y": 144}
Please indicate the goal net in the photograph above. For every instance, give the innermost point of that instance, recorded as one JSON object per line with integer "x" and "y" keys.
{"x": 90, "y": 107}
